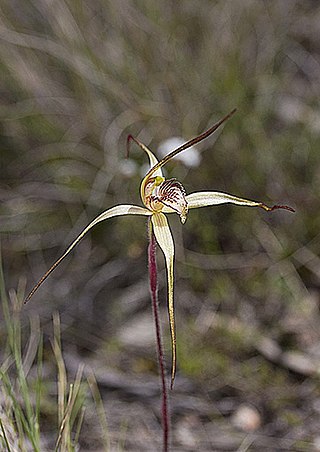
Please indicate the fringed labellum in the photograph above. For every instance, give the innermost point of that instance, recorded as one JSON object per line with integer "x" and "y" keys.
{"x": 159, "y": 192}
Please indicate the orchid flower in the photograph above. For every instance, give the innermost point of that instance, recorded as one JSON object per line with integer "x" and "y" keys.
{"x": 160, "y": 197}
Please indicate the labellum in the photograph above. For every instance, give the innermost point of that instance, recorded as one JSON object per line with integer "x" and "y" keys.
{"x": 172, "y": 194}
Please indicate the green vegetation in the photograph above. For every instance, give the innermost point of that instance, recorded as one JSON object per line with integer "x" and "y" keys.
{"x": 27, "y": 402}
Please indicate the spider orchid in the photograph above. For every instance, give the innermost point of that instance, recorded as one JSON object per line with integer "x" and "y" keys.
{"x": 161, "y": 196}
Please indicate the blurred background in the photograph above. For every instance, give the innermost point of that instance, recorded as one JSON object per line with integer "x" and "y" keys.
{"x": 76, "y": 78}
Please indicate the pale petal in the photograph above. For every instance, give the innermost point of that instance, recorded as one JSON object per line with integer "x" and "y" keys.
{"x": 153, "y": 162}
{"x": 113, "y": 212}
{"x": 165, "y": 241}
{"x": 212, "y": 198}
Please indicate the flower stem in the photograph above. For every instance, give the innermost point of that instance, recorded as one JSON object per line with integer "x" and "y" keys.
{"x": 154, "y": 295}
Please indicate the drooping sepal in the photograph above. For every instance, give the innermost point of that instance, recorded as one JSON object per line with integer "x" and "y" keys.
{"x": 165, "y": 241}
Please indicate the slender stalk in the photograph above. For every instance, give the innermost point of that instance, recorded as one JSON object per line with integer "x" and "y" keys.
{"x": 154, "y": 296}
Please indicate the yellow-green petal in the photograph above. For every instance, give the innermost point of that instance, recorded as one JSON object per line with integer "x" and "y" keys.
{"x": 153, "y": 162}
{"x": 212, "y": 198}
{"x": 109, "y": 213}
{"x": 165, "y": 241}
{"x": 152, "y": 158}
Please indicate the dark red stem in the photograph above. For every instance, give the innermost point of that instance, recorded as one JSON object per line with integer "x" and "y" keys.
{"x": 154, "y": 296}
